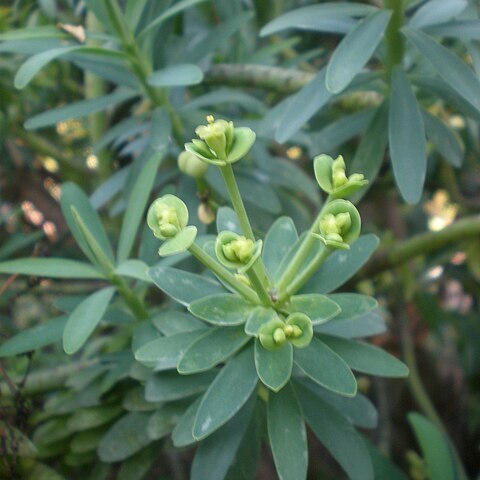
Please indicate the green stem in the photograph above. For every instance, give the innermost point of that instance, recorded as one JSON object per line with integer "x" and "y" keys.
{"x": 223, "y": 273}
{"x": 393, "y": 38}
{"x": 133, "y": 302}
{"x": 259, "y": 287}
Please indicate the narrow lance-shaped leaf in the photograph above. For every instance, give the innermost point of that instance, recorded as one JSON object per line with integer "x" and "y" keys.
{"x": 407, "y": 138}
{"x": 274, "y": 367}
{"x": 176, "y": 75}
{"x": 355, "y": 50}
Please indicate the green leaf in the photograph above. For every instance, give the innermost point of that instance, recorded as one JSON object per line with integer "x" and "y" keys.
{"x": 134, "y": 269}
{"x": 222, "y": 309}
{"x": 354, "y": 51}
{"x": 78, "y": 109}
{"x": 366, "y": 358}
{"x": 436, "y": 448}
{"x": 139, "y": 464}
{"x": 182, "y": 435}
{"x": 87, "y": 418}
{"x": 258, "y": 317}
{"x": 164, "y": 353}
{"x": 83, "y": 320}
{"x": 436, "y": 11}
{"x": 87, "y": 441}
{"x": 51, "y": 268}
{"x": 406, "y": 134}
{"x": 227, "y": 220}
{"x": 453, "y": 71}
{"x": 183, "y": 287}
{"x": 211, "y": 348}
{"x": 136, "y": 204}
{"x": 353, "y": 304}
{"x": 31, "y": 33}
{"x": 443, "y": 139}
{"x": 371, "y": 150}
{"x": 342, "y": 265}
{"x": 180, "y": 243}
{"x": 163, "y": 420}
{"x": 326, "y": 368}
{"x": 362, "y": 326}
{"x": 170, "y": 322}
{"x": 227, "y": 394}
{"x": 126, "y": 437}
{"x": 169, "y": 386}
{"x": 279, "y": 239}
{"x": 274, "y": 367}
{"x": 176, "y": 75}
{"x": 318, "y": 307}
{"x": 302, "y": 107}
{"x": 34, "y": 337}
{"x": 461, "y": 29}
{"x": 313, "y": 17}
{"x": 168, "y": 13}
{"x": 358, "y": 410}
{"x": 216, "y": 453}
{"x": 383, "y": 467}
{"x": 337, "y": 435}
{"x": 35, "y": 63}
{"x": 287, "y": 435}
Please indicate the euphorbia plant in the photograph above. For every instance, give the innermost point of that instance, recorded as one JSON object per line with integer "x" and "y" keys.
{"x": 270, "y": 337}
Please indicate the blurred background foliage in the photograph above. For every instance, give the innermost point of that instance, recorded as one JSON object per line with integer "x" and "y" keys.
{"x": 90, "y": 90}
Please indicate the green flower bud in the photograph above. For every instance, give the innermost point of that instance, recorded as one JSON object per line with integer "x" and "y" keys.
{"x": 272, "y": 335}
{"x": 237, "y": 252}
{"x": 221, "y": 143}
{"x": 299, "y": 330}
{"x": 191, "y": 165}
{"x": 331, "y": 177}
{"x": 339, "y": 224}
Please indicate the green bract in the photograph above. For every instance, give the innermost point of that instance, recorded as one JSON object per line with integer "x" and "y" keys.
{"x": 191, "y": 165}
{"x": 272, "y": 334}
{"x": 297, "y": 329}
{"x": 236, "y": 251}
{"x": 331, "y": 177}
{"x": 339, "y": 224}
{"x": 221, "y": 143}
{"x": 168, "y": 218}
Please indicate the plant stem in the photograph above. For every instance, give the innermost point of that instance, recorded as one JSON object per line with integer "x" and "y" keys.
{"x": 134, "y": 303}
{"x": 259, "y": 287}
{"x": 393, "y": 37}
{"x": 223, "y": 273}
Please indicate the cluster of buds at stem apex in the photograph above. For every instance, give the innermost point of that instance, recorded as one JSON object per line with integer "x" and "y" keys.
{"x": 220, "y": 142}
{"x": 167, "y": 217}
{"x": 297, "y": 329}
{"x": 191, "y": 165}
{"x": 236, "y": 251}
{"x": 331, "y": 177}
{"x": 339, "y": 224}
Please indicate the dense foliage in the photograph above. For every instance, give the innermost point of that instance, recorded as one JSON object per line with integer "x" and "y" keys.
{"x": 122, "y": 356}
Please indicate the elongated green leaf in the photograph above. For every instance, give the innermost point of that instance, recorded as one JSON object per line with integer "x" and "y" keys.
{"x": 138, "y": 465}
{"x": 443, "y": 139}
{"x": 83, "y": 320}
{"x": 383, "y": 467}
{"x": 34, "y": 64}
{"x": 176, "y": 75}
{"x": 126, "y": 437}
{"x": 326, "y": 368}
{"x": 216, "y": 453}
{"x": 274, "y": 368}
{"x": 312, "y": 17}
{"x": 165, "y": 352}
{"x": 182, "y": 433}
{"x": 371, "y": 150}
{"x": 342, "y": 265}
{"x": 169, "y": 386}
{"x": 439, "y": 454}
{"x": 222, "y": 309}
{"x": 278, "y": 241}
{"x": 163, "y": 420}
{"x": 227, "y": 220}
{"x": 287, "y": 435}
{"x": 78, "y": 109}
{"x": 177, "y": 7}
{"x": 318, "y": 307}
{"x": 436, "y": 11}
{"x": 170, "y": 322}
{"x": 355, "y": 50}
{"x": 407, "y": 138}
{"x": 136, "y": 205}
{"x": 365, "y": 325}
{"x": 353, "y": 304}
{"x": 134, "y": 269}
{"x": 31, "y": 33}
{"x": 257, "y": 318}
{"x": 366, "y": 358}
{"x": 303, "y": 106}
{"x": 337, "y": 435}
{"x": 211, "y": 348}
{"x": 183, "y": 287}
{"x": 463, "y": 29}
{"x": 51, "y": 268}
{"x": 227, "y": 394}
{"x": 87, "y": 418}
{"x": 455, "y": 72}
{"x": 34, "y": 338}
